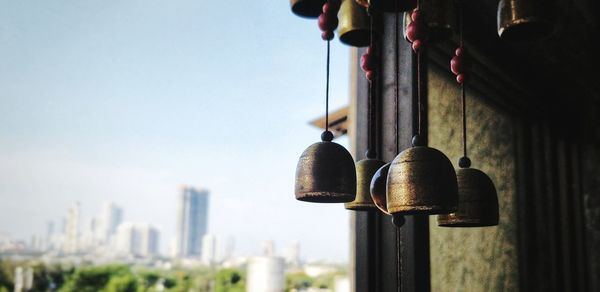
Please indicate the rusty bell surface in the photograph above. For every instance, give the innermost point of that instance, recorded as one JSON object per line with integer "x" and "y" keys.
{"x": 388, "y": 5}
{"x": 378, "y": 188}
{"x": 440, "y": 17}
{"x": 355, "y": 25}
{"x": 325, "y": 174}
{"x": 523, "y": 20}
{"x": 421, "y": 180}
{"x": 307, "y": 8}
{"x": 365, "y": 169}
{"x": 477, "y": 201}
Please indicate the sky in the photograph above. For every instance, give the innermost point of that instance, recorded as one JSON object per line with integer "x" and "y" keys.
{"x": 126, "y": 101}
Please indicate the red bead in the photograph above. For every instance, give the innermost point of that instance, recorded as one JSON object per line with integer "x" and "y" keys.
{"x": 459, "y": 51}
{"x": 327, "y": 22}
{"x": 368, "y": 62}
{"x": 416, "y": 15}
{"x": 364, "y": 62}
{"x": 326, "y": 8}
{"x": 330, "y": 9}
{"x": 327, "y": 35}
{"x": 370, "y": 75}
{"x": 416, "y": 45}
{"x": 460, "y": 78}
{"x": 413, "y": 32}
{"x": 369, "y": 50}
{"x": 457, "y": 65}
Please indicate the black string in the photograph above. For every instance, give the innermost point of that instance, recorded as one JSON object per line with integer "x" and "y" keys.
{"x": 419, "y": 91}
{"x": 327, "y": 91}
{"x": 372, "y": 103}
{"x": 397, "y": 82}
{"x": 397, "y": 102}
{"x": 463, "y": 86}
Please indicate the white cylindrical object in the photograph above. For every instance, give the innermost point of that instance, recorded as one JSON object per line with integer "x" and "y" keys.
{"x": 265, "y": 274}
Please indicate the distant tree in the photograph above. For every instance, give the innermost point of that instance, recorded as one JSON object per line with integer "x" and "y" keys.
{"x": 122, "y": 283}
{"x": 6, "y": 275}
{"x": 229, "y": 280}
{"x": 92, "y": 279}
{"x": 148, "y": 280}
{"x": 298, "y": 281}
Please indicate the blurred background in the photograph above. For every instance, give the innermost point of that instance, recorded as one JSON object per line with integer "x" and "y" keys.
{"x": 151, "y": 145}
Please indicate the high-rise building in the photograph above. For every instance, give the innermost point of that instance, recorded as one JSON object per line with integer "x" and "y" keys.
{"x": 110, "y": 217}
{"x": 71, "y": 244}
{"x": 209, "y": 249}
{"x": 192, "y": 221}
{"x": 137, "y": 239}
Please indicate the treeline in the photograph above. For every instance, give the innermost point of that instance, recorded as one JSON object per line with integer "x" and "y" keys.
{"x": 122, "y": 278}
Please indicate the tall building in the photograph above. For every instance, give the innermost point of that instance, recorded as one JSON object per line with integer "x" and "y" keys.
{"x": 110, "y": 217}
{"x": 137, "y": 239}
{"x": 192, "y": 221}
{"x": 209, "y": 249}
{"x": 71, "y": 243}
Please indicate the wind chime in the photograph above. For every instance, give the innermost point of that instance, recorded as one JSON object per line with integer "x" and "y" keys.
{"x": 420, "y": 180}
{"x": 325, "y": 172}
{"x": 365, "y": 168}
{"x": 478, "y": 200}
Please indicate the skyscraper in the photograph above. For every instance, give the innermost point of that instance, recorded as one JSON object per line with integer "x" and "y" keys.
{"x": 192, "y": 221}
{"x": 71, "y": 244}
{"x": 137, "y": 239}
{"x": 110, "y": 217}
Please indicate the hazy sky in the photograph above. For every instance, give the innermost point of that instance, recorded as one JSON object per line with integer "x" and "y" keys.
{"x": 126, "y": 101}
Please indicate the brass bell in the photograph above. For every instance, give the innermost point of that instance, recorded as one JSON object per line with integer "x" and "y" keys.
{"x": 378, "y": 188}
{"x": 421, "y": 180}
{"x": 355, "y": 25}
{"x": 477, "y": 201}
{"x": 326, "y": 173}
{"x": 440, "y": 17}
{"x": 388, "y": 5}
{"x": 365, "y": 169}
{"x": 523, "y": 20}
{"x": 379, "y": 194}
{"x": 307, "y": 8}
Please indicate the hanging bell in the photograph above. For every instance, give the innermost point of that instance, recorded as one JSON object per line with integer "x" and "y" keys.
{"x": 307, "y": 8}
{"x": 388, "y": 5}
{"x": 421, "y": 180}
{"x": 378, "y": 188}
{"x": 477, "y": 201}
{"x": 440, "y": 17}
{"x": 326, "y": 173}
{"x": 523, "y": 20}
{"x": 379, "y": 194}
{"x": 365, "y": 169}
{"x": 355, "y": 25}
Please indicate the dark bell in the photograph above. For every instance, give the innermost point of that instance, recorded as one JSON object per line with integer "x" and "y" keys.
{"x": 478, "y": 201}
{"x": 440, "y": 17}
{"x": 378, "y": 188}
{"x": 355, "y": 25}
{"x": 421, "y": 180}
{"x": 523, "y": 20}
{"x": 307, "y": 8}
{"x": 365, "y": 169}
{"x": 325, "y": 174}
{"x": 388, "y": 5}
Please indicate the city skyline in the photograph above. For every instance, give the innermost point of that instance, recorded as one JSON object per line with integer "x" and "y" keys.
{"x": 119, "y": 101}
{"x": 109, "y": 234}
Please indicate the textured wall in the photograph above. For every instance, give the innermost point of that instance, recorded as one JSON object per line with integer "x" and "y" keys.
{"x": 474, "y": 259}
